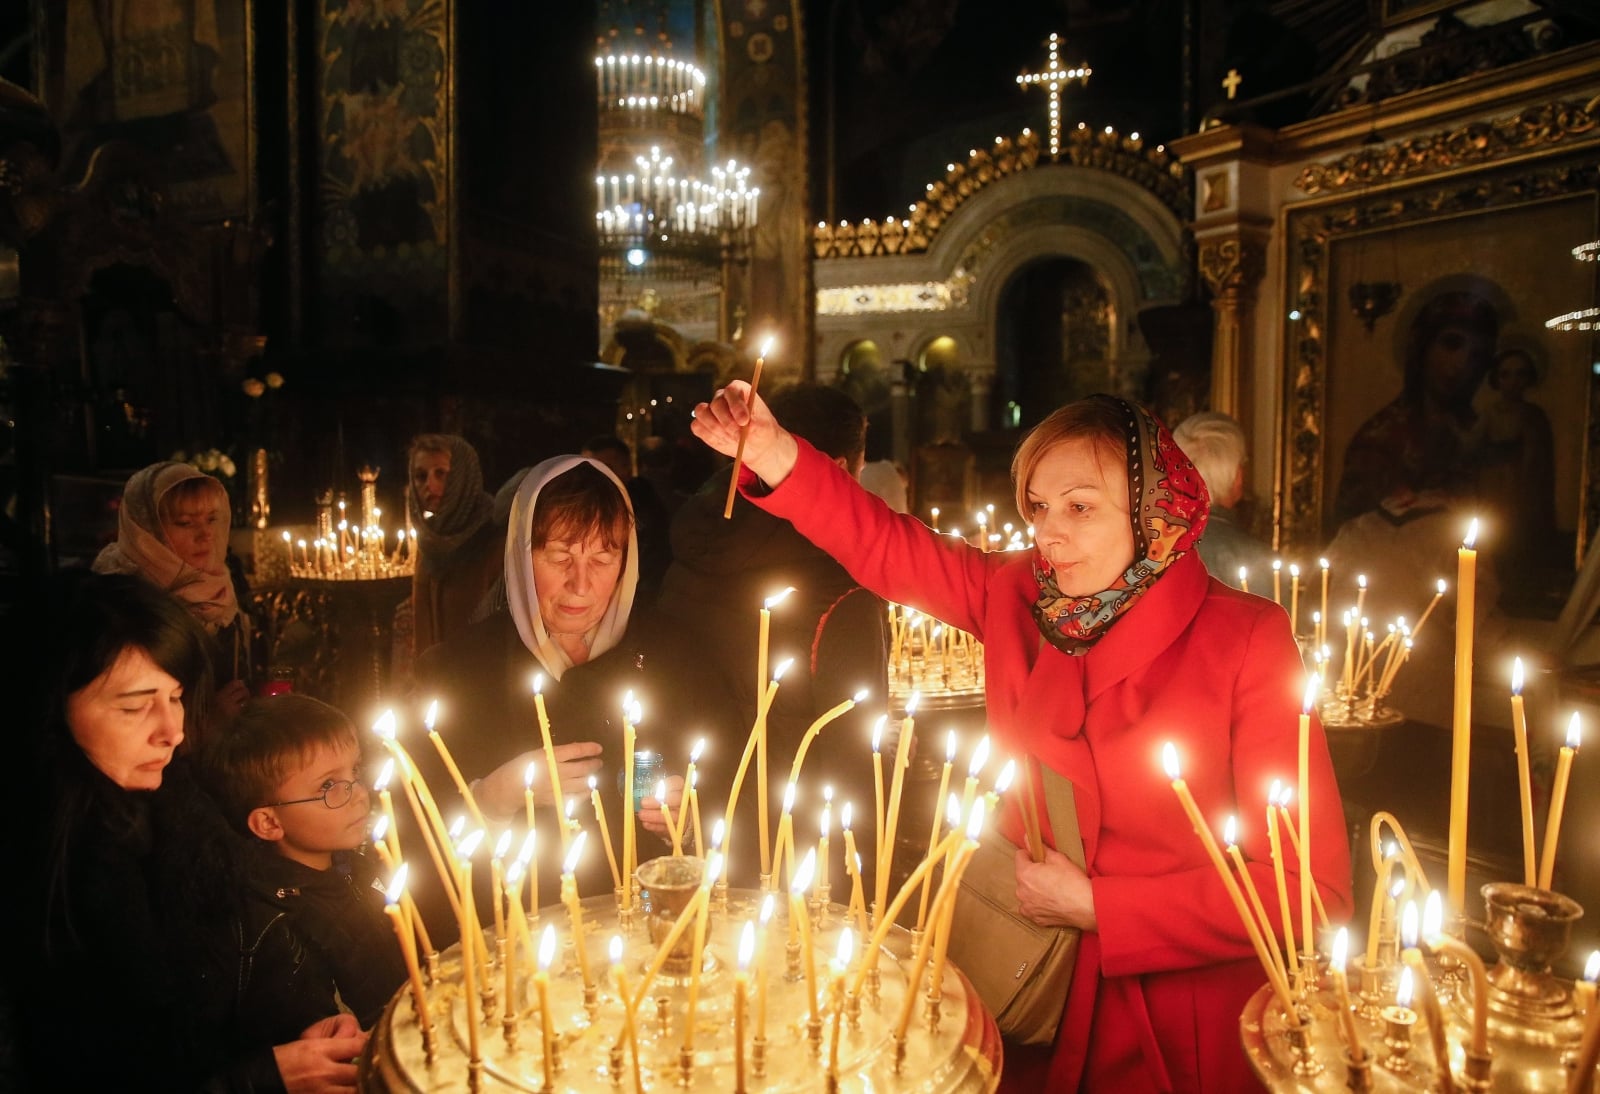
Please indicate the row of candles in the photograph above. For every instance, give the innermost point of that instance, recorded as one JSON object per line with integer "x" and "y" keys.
{"x": 990, "y": 536}
{"x": 634, "y": 75}
{"x": 926, "y": 655}
{"x": 348, "y": 550}
{"x": 659, "y": 201}
{"x": 1293, "y": 977}
{"x": 452, "y": 851}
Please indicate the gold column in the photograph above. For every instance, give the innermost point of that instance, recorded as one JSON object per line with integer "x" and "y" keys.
{"x": 1232, "y": 265}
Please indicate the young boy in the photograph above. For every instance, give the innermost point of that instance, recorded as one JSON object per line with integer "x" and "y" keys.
{"x": 288, "y": 773}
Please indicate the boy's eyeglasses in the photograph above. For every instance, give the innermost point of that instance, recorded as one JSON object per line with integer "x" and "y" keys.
{"x": 336, "y": 796}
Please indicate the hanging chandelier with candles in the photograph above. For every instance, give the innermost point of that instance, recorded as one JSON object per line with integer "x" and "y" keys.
{"x": 652, "y": 193}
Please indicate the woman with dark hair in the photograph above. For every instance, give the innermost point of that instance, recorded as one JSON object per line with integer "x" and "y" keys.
{"x": 134, "y": 968}
{"x": 1423, "y": 440}
{"x": 1102, "y": 643}
{"x": 571, "y": 571}
{"x": 172, "y": 531}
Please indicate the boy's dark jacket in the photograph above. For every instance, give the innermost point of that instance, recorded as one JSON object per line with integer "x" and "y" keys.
{"x": 338, "y": 914}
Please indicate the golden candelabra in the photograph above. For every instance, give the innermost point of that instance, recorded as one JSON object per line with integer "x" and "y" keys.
{"x": 344, "y": 550}
{"x": 930, "y": 657}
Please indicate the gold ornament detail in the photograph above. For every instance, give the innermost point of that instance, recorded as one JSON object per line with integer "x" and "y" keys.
{"x": 1477, "y": 142}
{"x": 1155, "y": 169}
{"x": 1232, "y": 266}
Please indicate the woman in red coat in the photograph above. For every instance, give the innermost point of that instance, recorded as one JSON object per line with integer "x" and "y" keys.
{"x": 1102, "y": 644}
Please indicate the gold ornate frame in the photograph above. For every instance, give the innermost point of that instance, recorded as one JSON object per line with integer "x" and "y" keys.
{"x": 1308, "y": 234}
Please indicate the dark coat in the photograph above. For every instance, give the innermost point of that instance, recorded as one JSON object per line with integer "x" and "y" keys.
{"x": 339, "y": 914}
{"x": 723, "y": 570}
{"x": 149, "y": 971}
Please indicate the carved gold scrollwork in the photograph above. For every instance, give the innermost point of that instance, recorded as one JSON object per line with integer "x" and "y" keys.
{"x": 1476, "y": 142}
{"x": 1232, "y": 266}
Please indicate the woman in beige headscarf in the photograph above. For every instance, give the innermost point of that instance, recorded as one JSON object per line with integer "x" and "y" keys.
{"x": 173, "y": 532}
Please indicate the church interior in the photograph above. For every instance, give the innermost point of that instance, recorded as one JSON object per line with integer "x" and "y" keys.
{"x": 277, "y": 242}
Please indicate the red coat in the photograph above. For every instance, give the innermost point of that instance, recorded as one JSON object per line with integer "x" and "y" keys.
{"x": 1155, "y": 1000}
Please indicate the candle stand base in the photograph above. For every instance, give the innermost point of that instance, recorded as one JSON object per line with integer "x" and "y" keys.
{"x": 685, "y": 1067}
{"x": 758, "y": 1057}
{"x": 1358, "y": 1073}
{"x": 1306, "y": 1064}
{"x": 1475, "y": 1072}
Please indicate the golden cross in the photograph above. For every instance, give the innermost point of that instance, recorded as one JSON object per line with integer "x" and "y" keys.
{"x": 1053, "y": 78}
{"x": 1232, "y": 82}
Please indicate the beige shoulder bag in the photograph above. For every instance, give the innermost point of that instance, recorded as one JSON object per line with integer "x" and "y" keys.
{"x": 1019, "y": 969}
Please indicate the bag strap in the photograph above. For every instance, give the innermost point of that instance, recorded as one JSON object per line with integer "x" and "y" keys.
{"x": 1060, "y": 806}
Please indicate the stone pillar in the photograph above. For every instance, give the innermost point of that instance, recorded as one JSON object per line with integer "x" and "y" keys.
{"x": 1232, "y": 262}
{"x": 980, "y": 385}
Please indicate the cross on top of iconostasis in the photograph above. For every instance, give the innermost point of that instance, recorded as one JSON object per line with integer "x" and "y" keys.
{"x": 1053, "y": 78}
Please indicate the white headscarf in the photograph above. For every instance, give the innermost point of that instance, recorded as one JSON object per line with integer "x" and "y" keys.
{"x": 142, "y": 548}
{"x": 522, "y": 593}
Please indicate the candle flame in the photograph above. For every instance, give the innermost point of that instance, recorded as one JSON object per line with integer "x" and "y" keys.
{"x": 1441, "y": 586}
{"x": 380, "y": 828}
{"x": 1433, "y": 917}
{"x": 980, "y": 757}
{"x": 1516, "y": 676}
{"x": 1323, "y": 563}
{"x": 661, "y": 792}
{"x": 747, "y": 945}
{"x": 1397, "y": 888}
{"x": 826, "y": 822}
{"x": 1169, "y": 761}
{"x": 432, "y": 715}
{"x": 397, "y": 885}
{"x": 803, "y": 875}
{"x": 537, "y": 682}
{"x": 530, "y": 844}
{"x": 385, "y": 773}
{"x": 844, "y": 816}
{"x": 1408, "y": 925}
{"x": 571, "y": 808}
{"x": 950, "y": 747}
{"x": 1574, "y": 732}
{"x": 1294, "y": 569}
{"x": 861, "y": 695}
{"x": 1341, "y": 948}
{"x": 469, "y": 846}
{"x": 528, "y": 773}
{"x": 1007, "y": 774}
{"x": 698, "y": 750}
{"x": 1591, "y": 968}
{"x": 1277, "y": 564}
{"x": 1244, "y": 575}
{"x": 788, "y": 797}
{"x": 847, "y": 950}
{"x": 877, "y": 731}
{"x": 766, "y": 910}
{"x": 952, "y": 811}
{"x": 458, "y": 824}
{"x": 1361, "y": 581}
{"x": 783, "y": 667}
{"x": 1471, "y": 536}
{"x": 1402, "y": 993}
{"x": 776, "y": 598}
{"x": 594, "y": 784}
{"x": 514, "y": 873}
{"x": 827, "y": 794}
{"x": 718, "y": 830}
{"x": 574, "y": 853}
{"x": 1230, "y": 830}
{"x": 766, "y": 346}
{"x": 713, "y": 870}
{"x": 384, "y": 726}
{"x": 975, "y": 822}
{"x": 911, "y": 703}
{"x": 503, "y": 844}
{"x": 547, "y": 947}
{"x": 615, "y": 949}
{"x": 1272, "y": 792}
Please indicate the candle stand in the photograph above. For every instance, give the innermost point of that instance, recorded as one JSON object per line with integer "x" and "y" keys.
{"x": 959, "y": 1052}
{"x": 1533, "y": 1027}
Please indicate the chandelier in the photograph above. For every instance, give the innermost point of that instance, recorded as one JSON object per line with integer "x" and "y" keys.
{"x": 651, "y": 194}
{"x": 1584, "y": 319}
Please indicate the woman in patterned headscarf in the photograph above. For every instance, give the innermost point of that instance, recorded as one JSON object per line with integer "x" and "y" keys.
{"x": 1103, "y": 642}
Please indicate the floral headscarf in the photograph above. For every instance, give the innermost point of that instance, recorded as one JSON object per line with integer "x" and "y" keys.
{"x": 465, "y": 508}
{"x": 1168, "y": 503}
{"x": 522, "y": 594}
{"x": 142, "y": 548}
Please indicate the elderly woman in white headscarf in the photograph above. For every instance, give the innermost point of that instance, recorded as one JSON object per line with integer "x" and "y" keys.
{"x": 173, "y": 532}
{"x": 571, "y": 570}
